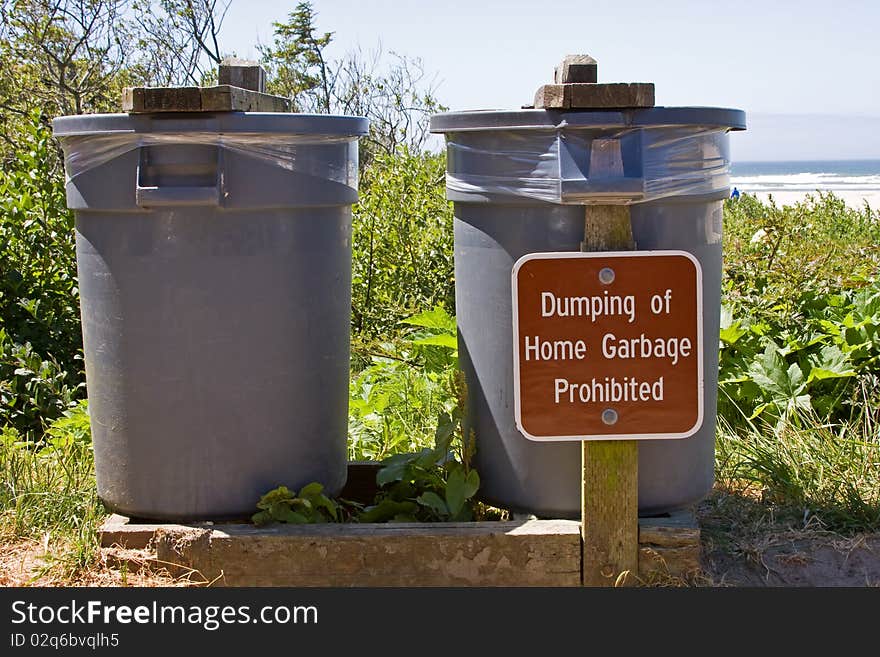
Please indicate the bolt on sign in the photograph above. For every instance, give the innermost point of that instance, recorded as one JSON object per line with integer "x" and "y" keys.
{"x": 608, "y": 345}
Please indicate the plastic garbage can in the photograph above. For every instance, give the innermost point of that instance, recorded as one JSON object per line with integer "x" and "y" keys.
{"x": 214, "y": 259}
{"x": 518, "y": 181}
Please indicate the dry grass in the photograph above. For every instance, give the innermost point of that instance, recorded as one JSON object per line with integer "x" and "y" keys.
{"x": 26, "y": 562}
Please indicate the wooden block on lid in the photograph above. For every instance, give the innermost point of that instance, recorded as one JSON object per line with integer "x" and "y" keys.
{"x": 615, "y": 95}
{"x": 222, "y": 98}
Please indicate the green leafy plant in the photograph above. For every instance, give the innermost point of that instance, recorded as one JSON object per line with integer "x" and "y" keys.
{"x": 34, "y": 390}
{"x": 799, "y": 346}
{"x": 435, "y": 483}
{"x": 395, "y": 400}
{"x": 430, "y": 485}
{"x": 771, "y": 367}
{"x": 308, "y": 506}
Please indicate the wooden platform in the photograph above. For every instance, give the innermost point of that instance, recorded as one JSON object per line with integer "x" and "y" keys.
{"x": 514, "y": 553}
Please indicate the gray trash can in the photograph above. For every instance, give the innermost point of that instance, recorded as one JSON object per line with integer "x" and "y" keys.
{"x": 214, "y": 258}
{"x": 518, "y": 181}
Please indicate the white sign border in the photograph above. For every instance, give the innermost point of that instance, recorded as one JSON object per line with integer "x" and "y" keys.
{"x": 558, "y": 255}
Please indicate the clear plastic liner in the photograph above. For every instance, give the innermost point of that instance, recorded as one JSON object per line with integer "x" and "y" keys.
{"x": 296, "y": 153}
{"x": 581, "y": 165}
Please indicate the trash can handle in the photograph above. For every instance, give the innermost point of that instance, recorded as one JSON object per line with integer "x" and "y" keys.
{"x": 147, "y": 197}
{"x": 606, "y": 182}
{"x": 603, "y": 190}
{"x": 155, "y": 191}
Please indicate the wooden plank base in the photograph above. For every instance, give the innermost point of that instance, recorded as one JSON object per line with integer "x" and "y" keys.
{"x": 518, "y": 553}
{"x": 534, "y": 553}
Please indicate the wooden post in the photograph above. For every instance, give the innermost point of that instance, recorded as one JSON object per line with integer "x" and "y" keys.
{"x": 242, "y": 73}
{"x": 610, "y": 481}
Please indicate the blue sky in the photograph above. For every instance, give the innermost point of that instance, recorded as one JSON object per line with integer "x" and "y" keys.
{"x": 807, "y": 73}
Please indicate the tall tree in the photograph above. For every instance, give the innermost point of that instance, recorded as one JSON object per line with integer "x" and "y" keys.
{"x": 296, "y": 61}
{"x": 393, "y": 92}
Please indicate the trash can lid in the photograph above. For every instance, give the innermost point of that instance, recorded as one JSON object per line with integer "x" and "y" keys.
{"x": 539, "y": 119}
{"x": 323, "y": 125}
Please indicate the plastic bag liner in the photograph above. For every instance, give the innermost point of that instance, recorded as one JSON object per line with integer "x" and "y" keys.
{"x": 581, "y": 165}
{"x": 297, "y": 153}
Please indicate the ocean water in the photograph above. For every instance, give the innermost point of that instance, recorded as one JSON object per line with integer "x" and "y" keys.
{"x": 860, "y": 177}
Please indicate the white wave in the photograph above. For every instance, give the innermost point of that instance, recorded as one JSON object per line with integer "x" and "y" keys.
{"x": 806, "y": 182}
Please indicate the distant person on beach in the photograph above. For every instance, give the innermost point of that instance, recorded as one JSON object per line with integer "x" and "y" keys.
{"x": 735, "y": 193}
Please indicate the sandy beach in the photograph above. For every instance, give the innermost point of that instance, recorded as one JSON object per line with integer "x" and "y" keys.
{"x": 855, "y": 181}
{"x": 854, "y": 199}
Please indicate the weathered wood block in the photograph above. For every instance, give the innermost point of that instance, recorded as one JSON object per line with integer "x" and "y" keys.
{"x": 613, "y": 95}
{"x": 533, "y": 553}
{"x": 349, "y": 555}
{"x": 576, "y": 68}
{"x": 242, "y": 73}
{"x": 222, "y": 98}
{"x": 553, "y": 96}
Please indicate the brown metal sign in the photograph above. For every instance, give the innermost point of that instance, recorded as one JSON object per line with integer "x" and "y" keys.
{"x": 608, "y": 345}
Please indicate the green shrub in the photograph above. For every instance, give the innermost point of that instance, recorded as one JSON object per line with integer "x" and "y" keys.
{"x": 33, "y": 390}
{"x": 40, "y": 338}
{"x": 800, "y": 322}
{"x": 402, "y": 242}
{"x": 774, "y": 253}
